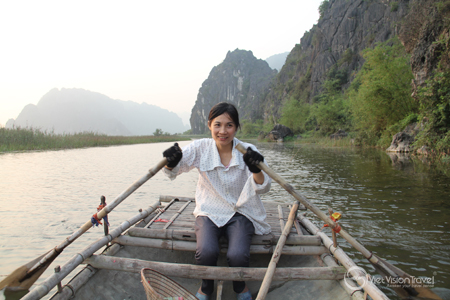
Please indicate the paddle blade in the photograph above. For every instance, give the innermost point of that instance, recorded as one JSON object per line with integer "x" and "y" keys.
{"x": 407, "y": 285}
{"x": 20, "y": 279}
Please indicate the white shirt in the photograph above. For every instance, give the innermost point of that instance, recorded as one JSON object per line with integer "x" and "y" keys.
{"x": 221, "y": 191}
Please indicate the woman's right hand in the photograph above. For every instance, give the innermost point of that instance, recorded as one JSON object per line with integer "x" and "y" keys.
{"x": 173, "y": 155}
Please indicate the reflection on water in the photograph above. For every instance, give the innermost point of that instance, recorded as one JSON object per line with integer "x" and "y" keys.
{"x": 389, "y": 203}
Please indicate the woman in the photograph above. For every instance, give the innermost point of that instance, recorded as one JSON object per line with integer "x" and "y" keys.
{"x": 227, "y": 194}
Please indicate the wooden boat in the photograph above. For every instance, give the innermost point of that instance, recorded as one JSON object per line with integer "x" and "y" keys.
{"x": 165, "y": 241}
{"x": 296, "y": 261}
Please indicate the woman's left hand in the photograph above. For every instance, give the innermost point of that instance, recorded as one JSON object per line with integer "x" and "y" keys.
{"x": 252, "y": 159}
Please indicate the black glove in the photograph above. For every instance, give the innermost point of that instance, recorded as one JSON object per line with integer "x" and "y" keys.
{"x": 173, "y": 155}
{"x": 252, "y": 158}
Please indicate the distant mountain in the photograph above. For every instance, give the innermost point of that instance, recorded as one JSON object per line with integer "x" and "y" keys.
{"x": 241, "y": 79}
{"x": 78, "y": 110}
{"x": 277, "y": 61}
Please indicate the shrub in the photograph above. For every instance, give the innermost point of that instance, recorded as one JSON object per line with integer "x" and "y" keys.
{"x": 323, "y": 7}
{"x": 295, "y": 115}
{"x": 394, "y": 6}
{"x": 380, "y": 94}
{"x": 434, "y": 100}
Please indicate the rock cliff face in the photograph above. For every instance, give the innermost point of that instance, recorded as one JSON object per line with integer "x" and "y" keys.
{"x": 426, "y": 35}
{"x": 333, "y": 46}
{"x": 343, "y": 31}
{"x": 240, "y": 79}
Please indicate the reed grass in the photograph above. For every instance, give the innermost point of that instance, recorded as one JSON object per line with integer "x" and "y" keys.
{"x": 23, "y": 139}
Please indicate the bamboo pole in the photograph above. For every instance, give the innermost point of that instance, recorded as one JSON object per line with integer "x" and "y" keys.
{"x": 264, "y": 289}
{"x": 358, "y": 274}
{"x": 333, "y": 233}
{"x": 24, "y": 276}
{"x": 347, "y": 284}
{"x": 189, "y": 235}
{"x": 281, "y": 216}
{"x": 167, "y": 198}
{"x": 175, "y": 216}
{"x": 297, "y": 225}
{"x": 191, "y": 246}
{"x": 219, "y": 290}
{"x": 102, "y": 213}
{"x": 43, "y": 288}
{"x": 212, "y": 272}
{"x": 352, "y": 241}
{"x": 160, "y": 212}
{"x": 69, "y": 290}
{"x": 105, "y": 224}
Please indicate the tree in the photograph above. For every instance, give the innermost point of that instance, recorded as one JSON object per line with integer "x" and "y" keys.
{"x": 295, "y": 115}
{"x": 158, "y": 132}
{"x": 380, "y": 94}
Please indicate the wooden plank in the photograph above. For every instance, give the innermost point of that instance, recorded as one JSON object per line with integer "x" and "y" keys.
{"x": 216, "y": 273}
{"x": 189, "y": 235}
{"x": 187, "y": 220}
{"x": 191, "y": 246}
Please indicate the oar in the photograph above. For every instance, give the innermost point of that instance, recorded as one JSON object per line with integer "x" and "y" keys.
{"x": 384, "y": 268}
{"x": 264, "y": 289}
{"x": 24, "y": 277}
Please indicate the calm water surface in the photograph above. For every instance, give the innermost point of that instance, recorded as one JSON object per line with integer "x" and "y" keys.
{"x": 396, "y": 210}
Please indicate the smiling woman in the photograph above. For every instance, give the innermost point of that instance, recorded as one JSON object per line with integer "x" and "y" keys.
{"x": 227, "y": 195}
{"x": 223, "y": 122}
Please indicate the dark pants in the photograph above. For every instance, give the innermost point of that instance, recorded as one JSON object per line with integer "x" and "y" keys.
{"x": 239, "y": 232}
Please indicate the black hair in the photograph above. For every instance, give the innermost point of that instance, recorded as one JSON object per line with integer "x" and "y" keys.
{"x": 225, "y": 108}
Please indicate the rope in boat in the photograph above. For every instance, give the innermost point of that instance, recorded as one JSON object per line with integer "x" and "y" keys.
{"x": 95, "y": 220}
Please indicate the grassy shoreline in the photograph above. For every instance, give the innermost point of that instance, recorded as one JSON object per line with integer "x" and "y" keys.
{"x": 28, "y": 139}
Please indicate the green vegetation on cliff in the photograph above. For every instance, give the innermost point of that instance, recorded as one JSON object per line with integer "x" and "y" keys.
{"x": 380, "y": 95}
{"x": 371, "y": 79}
{"x": 434, "y": 99}
{"x": 378, "y": 103}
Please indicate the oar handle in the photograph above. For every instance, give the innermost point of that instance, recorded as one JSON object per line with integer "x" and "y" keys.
{"x": 367, "y": 254}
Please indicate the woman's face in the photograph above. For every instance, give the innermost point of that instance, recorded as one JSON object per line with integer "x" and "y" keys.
{"x": 222, "y": 129}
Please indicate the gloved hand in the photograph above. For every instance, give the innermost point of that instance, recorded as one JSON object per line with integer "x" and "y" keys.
{"x": 173, "y": 155}
{"x": 251, "y": 159}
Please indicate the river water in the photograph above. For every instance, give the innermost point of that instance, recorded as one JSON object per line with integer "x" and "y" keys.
{"x": 398, "y": 210}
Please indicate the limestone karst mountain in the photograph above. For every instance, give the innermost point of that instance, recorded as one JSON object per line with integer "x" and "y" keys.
{"x": 78, "y": 110}
{"x": 241, "y": 79}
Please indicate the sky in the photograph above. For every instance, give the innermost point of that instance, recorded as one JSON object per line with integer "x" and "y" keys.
{"x": 158, "y": 52}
